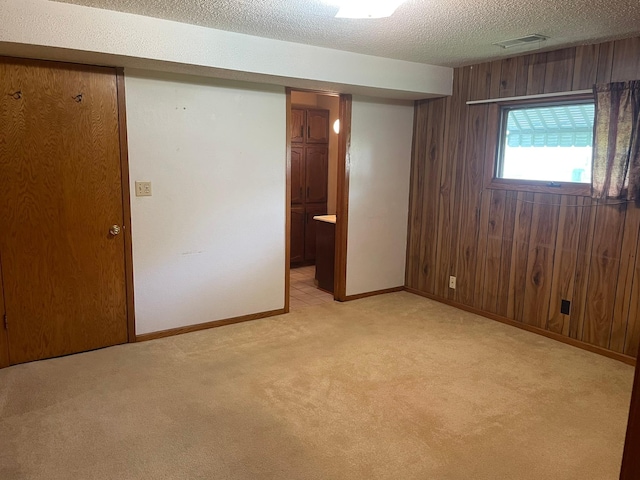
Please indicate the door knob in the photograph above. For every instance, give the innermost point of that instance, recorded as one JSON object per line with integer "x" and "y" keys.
{"x": 114, "y": 230}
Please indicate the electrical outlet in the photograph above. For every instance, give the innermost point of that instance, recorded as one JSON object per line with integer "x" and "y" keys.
{"x": 565, "y": 307}
{"x": 143, "y": 189}
{"x": 452, "y": 282}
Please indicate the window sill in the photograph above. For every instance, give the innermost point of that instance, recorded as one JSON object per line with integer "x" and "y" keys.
{"x": 558, "y": 188}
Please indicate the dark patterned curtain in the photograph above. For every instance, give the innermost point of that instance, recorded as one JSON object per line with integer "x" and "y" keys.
{"x": 616, "y": 154}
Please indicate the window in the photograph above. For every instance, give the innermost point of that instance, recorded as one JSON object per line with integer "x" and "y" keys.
{"x": 546, "y": 145}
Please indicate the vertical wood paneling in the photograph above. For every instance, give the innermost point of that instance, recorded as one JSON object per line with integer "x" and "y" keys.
{"x": 449, "y": 207}
{"x": 583, "y": 263}
{"x": 605, "y": 261}
{"x": 508, "y": 77}
{"x": 585, "y": 70}
{"x": 496, "y": 71}
{"x": 537, "y": 295}
{"x": 564, "y": 264}
{"x": 493, "y": 252}
{"x": 458, "y": 134}
{"x": 625, "y": 279}
{"x": 431, "y": 195}
{"x": 632, "y": 340}
{"x": 537, "y": 68}
{"x": 559, "y": 72}
{"x": 522, "y": 74}
{"x": 605, "y": 62}
{"x": 626, "y": 60}
{"x": 471, "y": 193}
{"x": 416, "y": 199}
{"x": 510, "y": 208}
{"x": 519, "y": 254}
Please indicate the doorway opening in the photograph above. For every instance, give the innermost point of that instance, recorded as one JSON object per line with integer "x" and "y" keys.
{"x": 317, "y": 129}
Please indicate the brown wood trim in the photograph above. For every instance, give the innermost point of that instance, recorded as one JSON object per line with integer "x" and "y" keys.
{"x": 342, "y": 204}
{"x": 287, "y": 217}
{"x": 631, "y": 458}
{"x": 204, "y": 326}
{"x": 317, "y": 92}
{"x": 126, "y": 206}
{"x": 543, "y": 102}
{"x": 4, "y": 338}
{"x": 373, "y": 294}
{"x": 559, "y": 188}
{"x": 491, "y": 148}
{"x": 545, "y": 333}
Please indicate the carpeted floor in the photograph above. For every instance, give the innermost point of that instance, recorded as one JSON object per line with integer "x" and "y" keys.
{"x": 389, "y": 387}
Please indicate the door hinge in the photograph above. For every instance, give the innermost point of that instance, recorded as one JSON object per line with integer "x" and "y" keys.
{"x": 6, "y": 324}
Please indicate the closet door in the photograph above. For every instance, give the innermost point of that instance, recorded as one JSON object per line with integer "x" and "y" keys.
{"x": 61, "y": 209}
{"x": 297, "y": 175}
{"x": 297, "y": 125}
{"x": 297, "y": 235}
{"x": 317, "y": 174}
{"x": 317, "y": 126}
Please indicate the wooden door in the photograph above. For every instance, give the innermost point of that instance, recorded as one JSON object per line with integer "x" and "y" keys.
{"x": 63, "y": 272}
{"x": 297, "y": 235}
{"x": 310, "y": 230}
{"x": 317, "y": 126}
{"x": 297, "y": 175}
{"x": 297, "y": 125}
{"x": 316, "y": 174}
{"x": 631, "y": 458}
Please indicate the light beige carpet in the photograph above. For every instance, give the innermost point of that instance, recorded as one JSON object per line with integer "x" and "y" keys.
{"x": 390, "y": 387}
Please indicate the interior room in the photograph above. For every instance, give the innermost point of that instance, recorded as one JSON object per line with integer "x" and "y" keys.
{"x": 319, "y": 239}
{"x": 314, "y": 127}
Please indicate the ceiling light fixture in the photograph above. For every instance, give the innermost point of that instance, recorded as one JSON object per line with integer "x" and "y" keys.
{"x": 366, "y": 8}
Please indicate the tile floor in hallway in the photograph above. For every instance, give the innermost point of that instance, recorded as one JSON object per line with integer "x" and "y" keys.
{"x": 304, "y": 293}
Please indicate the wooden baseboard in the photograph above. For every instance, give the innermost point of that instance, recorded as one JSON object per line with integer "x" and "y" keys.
{"x": 348, "y": 298}
{"x": 204, "y": 326}
{"x": 540, "y": 331}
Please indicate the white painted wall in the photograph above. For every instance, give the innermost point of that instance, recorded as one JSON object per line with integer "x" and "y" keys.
{"x": 209, "y": 244}
{"x": 378, "y": 194}
{"x": 62, "y": 31}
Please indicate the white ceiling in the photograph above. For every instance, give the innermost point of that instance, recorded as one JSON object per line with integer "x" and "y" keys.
{"x": 438, "y": 32}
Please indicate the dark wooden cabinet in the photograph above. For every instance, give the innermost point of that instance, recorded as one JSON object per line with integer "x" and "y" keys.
{"x": 310, "y": 229}
{"x": 298, "y": 183}
{"x": 325, "y": 254}
{"x": 309, "y": 178}
{"x": 309, "y": 126}
{"x": 318, "y": 126}
{"x": 316, "y": 174}
{"x": 298, "y": 221}
{"x": 298, "y": 125}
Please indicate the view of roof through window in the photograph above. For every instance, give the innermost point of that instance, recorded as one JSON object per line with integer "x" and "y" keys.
{"x": 550, "y": 143}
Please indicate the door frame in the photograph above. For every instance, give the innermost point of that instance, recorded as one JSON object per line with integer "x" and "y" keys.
{"x": 126, "y": 216}
{"x": 342, "y": 200}
{"x": 126, "y": 205}
{"x": 631, "y": 460}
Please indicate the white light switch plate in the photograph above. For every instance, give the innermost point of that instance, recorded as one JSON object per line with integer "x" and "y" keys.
{"x": 143, "y": 189}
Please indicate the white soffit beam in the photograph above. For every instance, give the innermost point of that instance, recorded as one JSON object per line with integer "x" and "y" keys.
{"x": 59, "y": 31}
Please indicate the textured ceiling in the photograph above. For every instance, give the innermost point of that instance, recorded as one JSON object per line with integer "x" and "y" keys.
{"x": 439, "y": 32}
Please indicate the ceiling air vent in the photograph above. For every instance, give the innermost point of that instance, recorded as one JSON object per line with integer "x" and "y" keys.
{"x": 518, "y": 42}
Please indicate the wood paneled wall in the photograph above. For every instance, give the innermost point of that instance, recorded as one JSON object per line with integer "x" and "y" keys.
{"x": 517, "y": 254}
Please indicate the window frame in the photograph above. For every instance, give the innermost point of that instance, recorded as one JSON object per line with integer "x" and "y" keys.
{"x": 496, "y": 128}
